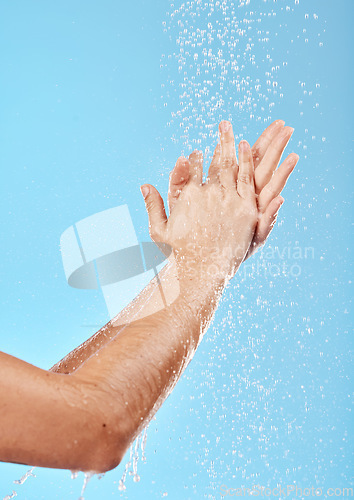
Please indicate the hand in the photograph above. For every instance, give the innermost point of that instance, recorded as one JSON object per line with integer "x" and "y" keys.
{"x": 211, "y": 225}
{"x": 266, "y": 153}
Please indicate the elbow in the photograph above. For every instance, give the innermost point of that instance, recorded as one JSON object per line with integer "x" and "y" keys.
{"x": 114, "y": 435}
{"x": 104, "y": 463}
{"x": 99, "y": 458}
{"x": 106, "y": 436}
{"x": 107, "y": 452}
{"x": 98, "y": 445}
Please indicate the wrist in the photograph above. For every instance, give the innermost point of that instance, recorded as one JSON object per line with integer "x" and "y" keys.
{"x": 210, "y": 273}
{"x": 199, "y": 293}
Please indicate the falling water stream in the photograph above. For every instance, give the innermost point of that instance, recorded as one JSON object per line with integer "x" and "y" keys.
{"x": 214, "y": 55}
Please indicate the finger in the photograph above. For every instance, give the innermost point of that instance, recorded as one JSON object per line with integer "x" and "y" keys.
{"x": 156, "y": 211}
{"x": 213, "y": 172}
{"x": 263, "y": 142}
{"x": 196, "y": 167}
{"x": 228, "y": 150}
{"x": 245, "y": 177}
{"x": 277, "y": 182}
{"x": 178, "y": 179}
{"x": 267, "y": 221}
{"x": 270, "y": 161}
{"x": 227, "y": 179}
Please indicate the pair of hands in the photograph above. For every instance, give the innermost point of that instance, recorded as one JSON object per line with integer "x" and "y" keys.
{"x": 215, "y": 225}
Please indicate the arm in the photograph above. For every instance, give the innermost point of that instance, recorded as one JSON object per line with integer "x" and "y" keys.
{"x": 140, "y": 366}
{"x": 146, "y": 303}
{"x": 47, "y": 419}
{"x": 266, "y": 153}
{"x": 87, "y": 420}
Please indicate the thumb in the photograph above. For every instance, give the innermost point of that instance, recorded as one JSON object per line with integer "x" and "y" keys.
{"x": 156, "y": 211}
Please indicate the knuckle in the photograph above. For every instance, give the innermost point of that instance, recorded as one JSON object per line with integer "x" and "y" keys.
{"x": 228, "y": 162}
{"x": 245, "y": 178}
{"x": 213, "y": 170}
{"x": 150, "y": 203}
{"x": 177, "y": 183}
{"x": 274, "y": 146}
{"x": 175, "y": 180}
{"x": 176, "y": 191}
{"x": 270, "y": 190}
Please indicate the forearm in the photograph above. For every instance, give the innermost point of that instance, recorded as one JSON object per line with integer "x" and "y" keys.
{"x": 146, "y": 303}
{"x": 138, "y": 369}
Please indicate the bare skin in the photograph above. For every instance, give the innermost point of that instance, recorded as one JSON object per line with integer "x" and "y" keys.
{"x": 87, "y": 420}
{"x": 269, "y": 183}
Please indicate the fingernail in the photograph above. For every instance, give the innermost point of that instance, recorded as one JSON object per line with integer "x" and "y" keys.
{"x": 280, "y": 200}
{"x": 244, "y": 146}
{"x": 225, "y": 126}
{"x": 286, "y": 132}
{"x": 145, "y": 190}
{"x": 293, "y": 159}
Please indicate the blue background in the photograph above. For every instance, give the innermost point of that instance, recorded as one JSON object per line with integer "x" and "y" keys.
{"x": 87, "y": 95}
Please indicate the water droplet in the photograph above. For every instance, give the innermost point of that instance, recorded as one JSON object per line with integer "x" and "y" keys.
{"x": 121, "y": 485}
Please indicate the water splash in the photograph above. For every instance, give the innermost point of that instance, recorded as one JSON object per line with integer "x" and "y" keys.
{"x": 25, "y": 476}
{"x": 20, "y": 481}
{"x": 13, "y": 495}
